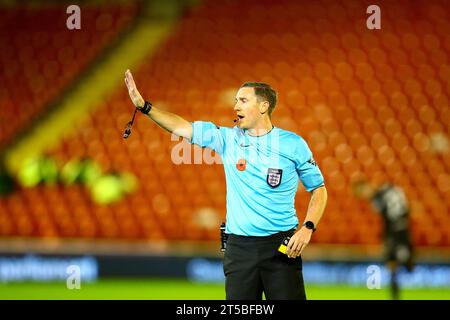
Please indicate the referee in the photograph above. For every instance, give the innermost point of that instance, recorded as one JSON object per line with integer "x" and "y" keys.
{"x": 262, "y": 164}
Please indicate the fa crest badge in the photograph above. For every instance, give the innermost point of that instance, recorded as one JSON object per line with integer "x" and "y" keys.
{"x": 274, "y": 177}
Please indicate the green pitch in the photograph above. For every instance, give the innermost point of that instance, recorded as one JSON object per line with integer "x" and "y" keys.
{"x": 184, "y": 290}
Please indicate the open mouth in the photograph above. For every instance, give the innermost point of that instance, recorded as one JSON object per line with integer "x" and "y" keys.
{"x": 240, "y": 117}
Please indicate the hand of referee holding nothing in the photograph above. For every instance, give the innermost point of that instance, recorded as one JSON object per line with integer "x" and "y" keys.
{"x": 298, "y": 242}
{"x": 135, "y": 96}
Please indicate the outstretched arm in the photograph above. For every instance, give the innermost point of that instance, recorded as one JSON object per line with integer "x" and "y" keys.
{"x": 315, "y": 211}
{"x": 166, "y": 120}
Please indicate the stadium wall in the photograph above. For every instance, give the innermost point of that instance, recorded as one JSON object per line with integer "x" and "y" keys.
{"x": 30, "y": 267}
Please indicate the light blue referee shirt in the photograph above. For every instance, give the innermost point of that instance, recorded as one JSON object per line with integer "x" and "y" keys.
{"x": 260, "y": 192}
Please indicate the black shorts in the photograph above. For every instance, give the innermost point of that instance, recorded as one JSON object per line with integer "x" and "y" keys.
{"x": 253, "y": 265}
{"x": 398, "y": 248}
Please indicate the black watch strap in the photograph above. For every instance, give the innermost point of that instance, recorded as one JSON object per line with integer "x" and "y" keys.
{"x": 146, "y": 108}
{"x": 310, "y": 225}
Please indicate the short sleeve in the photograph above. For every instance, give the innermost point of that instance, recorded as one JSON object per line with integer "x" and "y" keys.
{"x": 208, "y": 135}
{"x": 307, "y": 169}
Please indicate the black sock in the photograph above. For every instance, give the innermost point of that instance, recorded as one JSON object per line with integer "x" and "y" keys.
{"x": 395, "y": 290}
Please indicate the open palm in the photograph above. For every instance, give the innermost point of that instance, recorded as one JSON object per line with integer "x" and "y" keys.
{"x": 135, "y": 96}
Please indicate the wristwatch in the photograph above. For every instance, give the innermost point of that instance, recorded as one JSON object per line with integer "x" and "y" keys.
{"x": 309, "y": 225}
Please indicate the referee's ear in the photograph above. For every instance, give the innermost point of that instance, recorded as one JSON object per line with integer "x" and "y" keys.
{"x": 264, "y": 107}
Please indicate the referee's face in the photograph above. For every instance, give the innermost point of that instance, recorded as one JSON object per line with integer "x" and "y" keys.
{"x": 247, "y": 108}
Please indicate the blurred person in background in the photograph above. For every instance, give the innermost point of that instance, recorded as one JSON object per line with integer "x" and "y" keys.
{"x": 7, "y": 183}
{"x": 390, "y": 201}
{"x": 260, "y": 192}
{"x": 41, "y": 169}
{"x": 80, "y": 170}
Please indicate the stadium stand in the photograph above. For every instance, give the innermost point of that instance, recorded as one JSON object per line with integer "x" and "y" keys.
{"x": 365, "y": 101}
{"x": 37, "y": 45}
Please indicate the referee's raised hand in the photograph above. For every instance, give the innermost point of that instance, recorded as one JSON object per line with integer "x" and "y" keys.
{"x": 135, "y": 96}
{"x": 298, "y": 242}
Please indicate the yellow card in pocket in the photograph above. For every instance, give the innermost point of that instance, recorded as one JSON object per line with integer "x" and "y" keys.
{"x": 283, "y": 246}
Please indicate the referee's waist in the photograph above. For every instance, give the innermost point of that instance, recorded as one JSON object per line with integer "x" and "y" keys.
{"x": 276, "y": 235}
